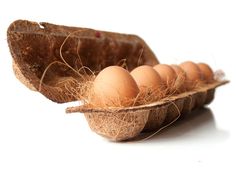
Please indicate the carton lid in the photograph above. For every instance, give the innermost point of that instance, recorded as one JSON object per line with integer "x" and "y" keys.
{"x": 63, "y": 50}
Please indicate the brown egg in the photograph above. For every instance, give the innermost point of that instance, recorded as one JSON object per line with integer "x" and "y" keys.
{"x": 207, "y": 72}
{"x": 147, "y": 78}
{"x": 114, "y": 86}
{"x": 167, "y": 74}
{"x": 193, "y": 73}
{"x": 181, "y": 78}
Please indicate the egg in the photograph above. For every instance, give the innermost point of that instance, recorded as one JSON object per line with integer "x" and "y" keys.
{"x": 181, "y": 78}
{"x": 114, "y": 86}
{"x": 167, "y": 75}
{"x": 147, "y": 78}
{"x": 193, "y": 73}
{"x": 207, "y": 72}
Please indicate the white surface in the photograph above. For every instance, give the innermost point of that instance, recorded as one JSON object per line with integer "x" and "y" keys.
{"x": 37, "y": 138}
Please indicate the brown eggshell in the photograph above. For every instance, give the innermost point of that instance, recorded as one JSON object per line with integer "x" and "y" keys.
{"x": 146, "y": 78}
{"x": 167, "y": 75}
{"x": 193, "y": 73}
{"x": 207, "y": 72}
{"x": 114, "y": 86}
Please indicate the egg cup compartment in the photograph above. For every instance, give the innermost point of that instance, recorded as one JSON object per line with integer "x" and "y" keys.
{"x": 118, "y": 125}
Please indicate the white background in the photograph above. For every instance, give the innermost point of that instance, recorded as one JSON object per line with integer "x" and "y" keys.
{"x": 37, "y": 138}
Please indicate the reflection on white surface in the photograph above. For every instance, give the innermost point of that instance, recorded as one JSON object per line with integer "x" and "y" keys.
{"x": 198, "y": 125}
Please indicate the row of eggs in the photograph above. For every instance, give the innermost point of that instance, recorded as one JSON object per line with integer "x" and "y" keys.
{"x": 115, "y": 86}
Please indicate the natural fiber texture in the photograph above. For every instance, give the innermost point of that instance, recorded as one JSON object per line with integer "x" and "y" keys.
{"x": 35, "y": 46}
{"x": 210, "y": 96}
{"x": 55, "y": 60}
{"x": 174, "y": 110}
{"x": 21, "y": 77}
{"x": 118, "y": 126}
{"x": 125, "y": 123}
{"x": 200, "y": 98}
{"x": 155, "y": 119}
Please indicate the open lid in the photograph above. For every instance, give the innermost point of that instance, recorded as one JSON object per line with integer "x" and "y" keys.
{"x": 35, "y": 46}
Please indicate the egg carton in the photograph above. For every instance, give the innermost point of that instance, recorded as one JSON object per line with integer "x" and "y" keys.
{"x": 118, "y": 124}
{"x": 36, "y": 46}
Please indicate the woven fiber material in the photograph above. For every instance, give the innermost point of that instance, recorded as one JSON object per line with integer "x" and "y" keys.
{"x": 35, "y": 46}
{"x": 119, "y": 124}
